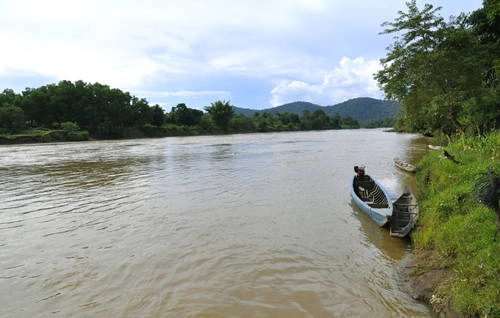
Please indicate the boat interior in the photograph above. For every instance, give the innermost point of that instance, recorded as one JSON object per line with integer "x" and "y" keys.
{"x": 370, "y": 192}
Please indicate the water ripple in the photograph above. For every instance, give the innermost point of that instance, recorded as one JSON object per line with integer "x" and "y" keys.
{"x": 223, "y": 226}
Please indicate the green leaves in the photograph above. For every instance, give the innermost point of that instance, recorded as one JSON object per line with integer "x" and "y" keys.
{"x": 443, "y": 74}
{"x": 221, "y": 112}
{"x": 11, "y": 117}
{"x": 421, "y": 27}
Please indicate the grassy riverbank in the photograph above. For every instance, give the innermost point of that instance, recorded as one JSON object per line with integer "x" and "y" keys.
{"x": 457, "y": 263}
{"x": 43, "y": 135}
{"x": 71, "y": 132}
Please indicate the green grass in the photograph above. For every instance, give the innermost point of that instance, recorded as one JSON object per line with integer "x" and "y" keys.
{"x": 45, "y": 135}
{"x": 459, "y": 229}
{"x": 38, "y": 133}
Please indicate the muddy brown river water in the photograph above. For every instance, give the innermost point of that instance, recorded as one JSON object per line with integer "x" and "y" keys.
{"x": 257, "y": 225}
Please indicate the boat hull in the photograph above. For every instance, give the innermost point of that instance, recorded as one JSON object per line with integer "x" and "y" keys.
{"x": 405, "y": 214}
{"x": 380, "y": 215}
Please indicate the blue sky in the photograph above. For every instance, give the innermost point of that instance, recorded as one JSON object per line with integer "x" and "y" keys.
{"x": 255, "y": 54}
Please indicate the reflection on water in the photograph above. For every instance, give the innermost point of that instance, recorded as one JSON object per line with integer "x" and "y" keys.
{"x": 241, "y": 225}
{"x": 396, "y": 249}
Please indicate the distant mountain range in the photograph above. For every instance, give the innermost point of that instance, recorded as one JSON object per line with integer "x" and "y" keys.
{"x": 363, "y": 109}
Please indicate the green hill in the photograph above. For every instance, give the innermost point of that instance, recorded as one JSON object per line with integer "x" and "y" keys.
{"x": 363, "y": 109}
{"x": 294, "y": 108}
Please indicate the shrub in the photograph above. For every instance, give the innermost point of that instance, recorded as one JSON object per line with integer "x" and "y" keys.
{"x": 69, "y": 126}
{"x": 73, "y": 132}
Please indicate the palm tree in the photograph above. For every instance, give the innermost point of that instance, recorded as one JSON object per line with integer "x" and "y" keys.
{"x": 221, "y": 112}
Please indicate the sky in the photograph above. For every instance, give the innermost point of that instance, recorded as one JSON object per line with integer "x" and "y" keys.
{"x": 253, "y": 53}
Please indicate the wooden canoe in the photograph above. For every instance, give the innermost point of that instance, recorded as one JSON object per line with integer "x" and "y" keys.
{"x": 404, "y": 214}
{"x": 408, "y": 167}
{"x": 372, "y": 199}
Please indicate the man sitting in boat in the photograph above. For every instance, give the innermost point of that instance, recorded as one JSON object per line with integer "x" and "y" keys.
{"x": 360, "y": 172}
{"x": 362, "y": 182}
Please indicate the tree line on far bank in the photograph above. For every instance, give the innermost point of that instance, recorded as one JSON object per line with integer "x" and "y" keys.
{"x": 103, "y": 112}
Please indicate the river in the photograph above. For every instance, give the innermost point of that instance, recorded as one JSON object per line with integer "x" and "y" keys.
{"x": 251, "y": 225}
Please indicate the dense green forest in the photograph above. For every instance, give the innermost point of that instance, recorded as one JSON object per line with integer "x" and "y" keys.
{"x": 444, "y": 74}
{"x": 446, "y": 77}
{"x": 81, "y": 110}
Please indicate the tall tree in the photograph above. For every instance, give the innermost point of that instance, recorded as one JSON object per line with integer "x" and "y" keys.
{"x": 319, "y": 119}
{"x": 11, "y": 117}
{"x": 406, "y": 68}
{"x": 436, "y": 71}
{"x": 221, "y": 112}
{"x": 158, "y": 115}
{"x": 141, "y": 112}
{"x": 8, "y": 96}
{"x": 484, "y": 109}
{"x": 183, "y": 115}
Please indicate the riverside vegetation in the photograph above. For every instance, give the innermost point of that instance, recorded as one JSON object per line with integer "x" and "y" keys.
{"x": 446, "y": 76}
{"x": 456, "y": 264}
{"x": 78, "y": 111}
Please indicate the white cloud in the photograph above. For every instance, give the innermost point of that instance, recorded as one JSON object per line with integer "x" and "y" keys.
{"x": 184, "y": 93}
{"x": 237, "y": 60}
{"x": 168, "y": 99}
{"x": 174, "y": 45}
{"x": 352, "y": 78}
{"x": 122, "y": 45}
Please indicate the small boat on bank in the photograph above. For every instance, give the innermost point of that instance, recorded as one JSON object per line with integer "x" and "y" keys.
{"x": 371, "y": 198}
{"x": 432, "y": 147}
{"x": 404, "y": 214}
{"x": 408, "y": 167}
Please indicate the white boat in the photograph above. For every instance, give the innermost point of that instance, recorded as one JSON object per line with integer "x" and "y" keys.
{"x": 404, "y": 165}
